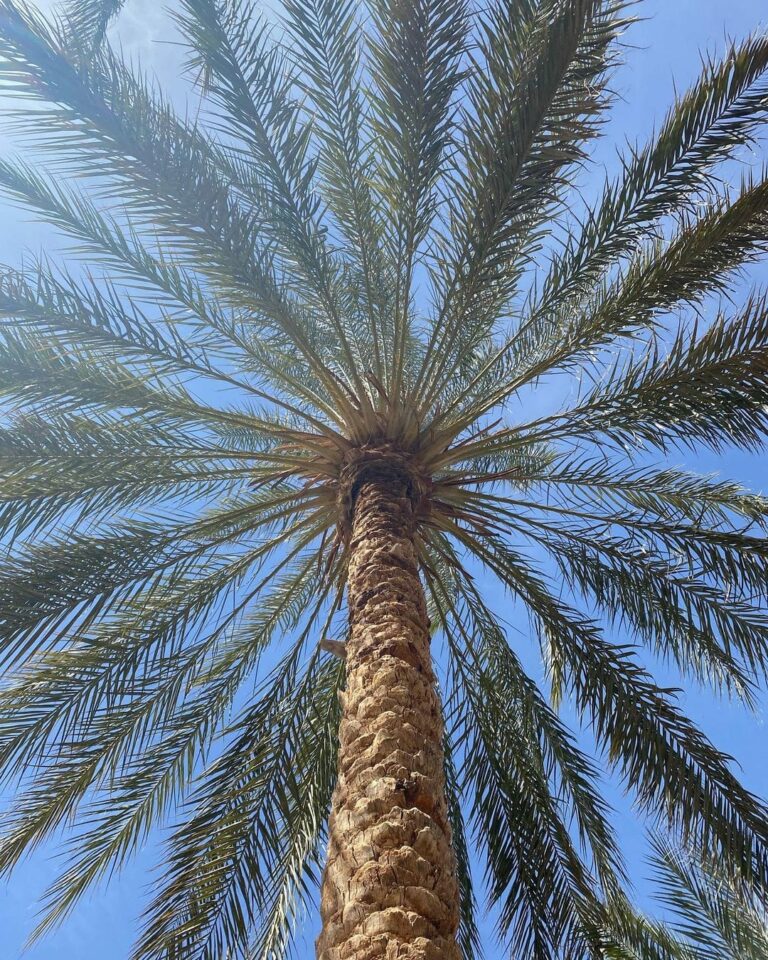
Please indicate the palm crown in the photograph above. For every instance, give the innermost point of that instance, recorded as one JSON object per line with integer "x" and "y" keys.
{"x": 360, "y": 262}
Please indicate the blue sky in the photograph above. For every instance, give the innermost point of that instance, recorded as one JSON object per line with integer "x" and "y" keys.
{"x": 665, "y": 57}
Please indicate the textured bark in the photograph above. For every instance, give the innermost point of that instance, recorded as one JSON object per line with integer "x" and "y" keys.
{"x": 389, "y": 889}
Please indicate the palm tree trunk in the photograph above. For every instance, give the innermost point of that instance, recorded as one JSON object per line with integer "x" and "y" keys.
{"x": 389, "y": 888}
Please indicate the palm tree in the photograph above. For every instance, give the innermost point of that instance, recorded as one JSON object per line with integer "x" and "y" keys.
{"x": 300, "y": 389}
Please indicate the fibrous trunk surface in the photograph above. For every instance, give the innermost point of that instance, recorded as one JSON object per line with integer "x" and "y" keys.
{"x": 389, "y": 889}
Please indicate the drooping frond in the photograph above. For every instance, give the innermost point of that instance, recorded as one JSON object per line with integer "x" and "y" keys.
{"x": 539, "y": 880}
{"x": 714, "y": 917}
{"x": 297, "y": 870}
{"x": 629, "y": 935}
{"x": 654, "y": 584}
{"x": 236, "y": 865}
{"x": 468, "y": 934}
{"x": 671, "y": 767}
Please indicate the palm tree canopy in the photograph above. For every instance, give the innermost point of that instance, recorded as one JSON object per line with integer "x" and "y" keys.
{"x": 364, "y": 251}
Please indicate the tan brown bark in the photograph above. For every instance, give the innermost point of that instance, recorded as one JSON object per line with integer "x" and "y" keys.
{"x": 389, "y": 889}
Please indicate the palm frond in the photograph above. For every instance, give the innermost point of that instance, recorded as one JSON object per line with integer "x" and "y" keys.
{"x": 720, "y": 114}
{"x": 325, "y": 33}
{"x": 74, "y": 577}
{"x": 629, "y": 935}
{"x": 658, "y": 582}
{"x": 67, "y": 469}
{"x": 166, "y": 169}
{"x": 535, "y": 99}
{"x": 666, "y": 492}
{"x": 247, "y": 77}
{"x": 87, "y": 20}
{"x": 717, "y": 919}
{"x": 709, "y": 637}
{"x": 468, "y": 934}
{"x": 537, "y": 876}
{"x": 82, "y": 314}
{"x": 296, "y": 872}
{"x": 225, "y": 858}
{"x": 669, "y": 765}
{"x": 154, "y": 274}
{"x": 709, "y": 389}
{"x": 39, "y": 369}
{"x": 700, "y": 259}
{"x": 151, "y": 744}
{"x": 416, "y": 66}
{"x": 707, "y": 125}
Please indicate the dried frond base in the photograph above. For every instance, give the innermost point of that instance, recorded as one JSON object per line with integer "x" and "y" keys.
{"x": 386, "y": 463}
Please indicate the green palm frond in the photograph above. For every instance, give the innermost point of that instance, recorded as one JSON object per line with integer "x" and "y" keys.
{"x": 696, "y": 262}
{"x": 707, "y": 635}
{"x": 416, "y": 64}
{"x": 328, "y": 68}
{"x": 708, "y": 124}
{"x": 75, "y": 576}
{"x": 83, "y": 316}
{"x": 183, "y": 300}
{"x": 161, "y": 702}
{"x": 535, "y": 99}
{"x": 654, "y": 582}
{"x": 671, "y": 767}
{"x": 629, "y": 935}
{"x": 712, "y": 915}
{"x": 52, "y": 467}
{"x": 541, "y": 883}
{"x": 297, "y": 871}
{"x": 245, "y": 76}
{"x": 166, "y": 170}
{"x": 722, "y": 373}
{"x": 235, "y": 865}
{"x": 663, "y": 491}
{"x": 88, "y": 20}
{"x": 468, "y": 934}
{"x": 720, "y": 114}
